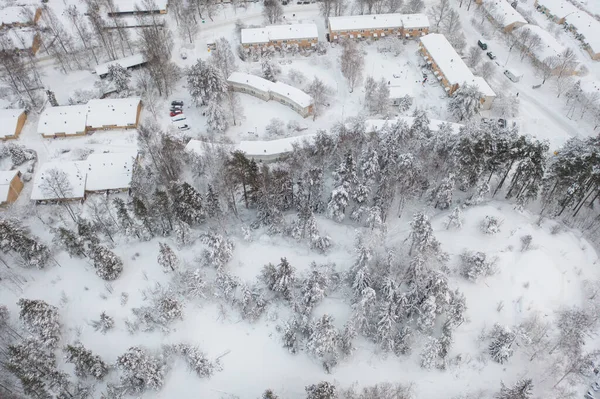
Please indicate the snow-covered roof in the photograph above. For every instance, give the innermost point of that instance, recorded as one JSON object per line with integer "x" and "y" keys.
{"x": 447, "y": 59}
{"x": 109, "y": 171}
{"x": 69, "y": 119}
{"x": 295, "y": 95}
{"x": 378, "y": 21}
{"x": 250, "y": 80}
{"x": 199, "y": 147}
{"x": 591, "y": 86}
{"x": 279, "y": 32}
{"x": 587, "y": 26}
{"x": 130, "y": 5}
{"x": 19, "y": 38}
{"x": 17, "y": 15}
{"x": 560, "y": 8}
{"x": 549, "y": 45}
{"x": 127, "y": 21}
{"x": 503, "y": 12}
{"x": 47, "y": 186}
{"x": 112, "y": 112}
{"x": 6, "y": 177}
{"x": 8, "y": 121}
{"x": 127, "y": 62}
{"x": 483, "y": 86}
{"x": 272, "y": 147}
{"x": 373, "y": 125}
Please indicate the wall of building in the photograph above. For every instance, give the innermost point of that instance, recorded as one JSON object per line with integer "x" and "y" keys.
{"x": 377, "y": 33}
{"x": 304, "y": 111}
{"x": 436, "y": 68}
{"x": 14, "y": 189}
{"x": 303, "y": 43}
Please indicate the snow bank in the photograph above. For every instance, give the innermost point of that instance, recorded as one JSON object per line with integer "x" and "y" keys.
{"x": 127, "y": 62}
{"x": 9, "y": 118}
{"x": 279, "y": 32}
{"x": 200, "y": 147}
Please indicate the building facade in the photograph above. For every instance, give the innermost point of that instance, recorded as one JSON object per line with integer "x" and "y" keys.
{"x": 11, "y": 186}
{"x": 11, "y": 123}
{"x": 280, "y": 36}
{"x": 378, "y": 26}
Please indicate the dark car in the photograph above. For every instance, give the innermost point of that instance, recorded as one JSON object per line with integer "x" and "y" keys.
{"x": 491, "y": 55}
{"x": 177, "y": 103}
{"x": 482, "y": 45}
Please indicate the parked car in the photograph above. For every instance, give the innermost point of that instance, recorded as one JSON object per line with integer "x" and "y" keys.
{"x": 183, "y": 127}
{"x": 491, "y": 55}
{"x": 511, "y": 76}
{"x": 589, "y": 395}
{"x": 176, "y": 112}
{"x": 177, "y": 118}
{"x": 177, "y": 103}
{"x": 482, "y": 45}
{"x": 183, "y": 55}
{"x": 596, "y": 386}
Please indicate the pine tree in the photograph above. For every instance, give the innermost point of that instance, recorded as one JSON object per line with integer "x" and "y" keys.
{"x": 521, "y": 390}
{"x": 140, "y": 370}
{"x": 454, "y": 219}
{"x": 213, "y": 207}
{"x": 71, "y": 242}
{"x": 442, "y": 196}
{"x": 280, "y": 278}
{"x": 423, "y": 240}
{"x": 363, "y": 312}
{"x": 322, "y": 390}
{"x": 197, "y": 361}
{"x": 429, "y": 355}
{"x": 336, "y": 207}
{"x": 269, "y": 394}
{"x": 269, "y": 69}
{"x": 105, "y": 323}
{"x": 205, "y": 82}
{"x": 465, "y": 102}
{"x": 126, "y": 222}
{"x": 346, "y": 340}
{"x": 385, "y": 326}
{"x": 40, "y": 319}
{"x": 313, "y": 289}
{"x": 183, "y": 234}
{"x": 219, "y": 252}
{"x": 51, "y": 98}
{"x": 323, "y": 341}
{"x": 188, "y": 203}
{"x": 86, "y": 363}
{"x": 501, "y": 346}
{"x": 475, "y": 265}
{"x": 216, "y": 117}
{"x": 119, "y": 76}
{"x": 167, "y": 258}
{"x": 370, "y": 94}
{"x": 141, "y": 213}
{"x": 382, "y": 98}
{"x": 402, "y": 341}
{"x": 15, "y": 238}
{"x": 108, "y": 265}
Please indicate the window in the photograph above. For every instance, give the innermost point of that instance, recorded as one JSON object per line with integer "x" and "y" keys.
{"x": 285, "y": 41}
{"x": 362, "y": 31}
{"x": 386, "y": 29}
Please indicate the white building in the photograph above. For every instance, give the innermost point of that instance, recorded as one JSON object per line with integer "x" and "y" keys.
{"x": 449, "y": 68}
{"x": 118, "y": 113}
{"x": 130, "y": 62}
{"x": 271, "y": 150}
{"x": 549, "y": 46}
{"x": 503, "y": 14}
{"x": 587, "y": 29}
{"x": 266, "y": 90}
{"x": 11, "y": 123}
{"x": 68, "y": 120}
{"x": 19, "y": 16}
{"x": 60, "y": 181}
{"x": 556, "y": 9}
{"x": 109, "y": 171}
{"x": 377, "y": 26}
{"x": 304, "y": 35}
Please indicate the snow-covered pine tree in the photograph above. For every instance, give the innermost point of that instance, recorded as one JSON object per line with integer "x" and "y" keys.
{"x": 403, "y": 341}
{"x": 140, "y": 210}
{"x": 216, "y": 117}
{"x": 40, "y": 319}
{"x": 107, "y": 264}
{"x": 455, "y": 312}
{"x": 197, "y": 361}
{"x": 51, "y": 98}
{"x": 346, "y": 342}
{"x": 119, "y": 76}
{"x": 104, "y": 324}
{"x": 183, "y": 233}
{"x": 167, "y": 308}
{"x": 336, "y": 208}
{"x": 213, "y": 207}
{"x": 167, "y": 258}
{"x": 205, "y": 82}
{"x": 269, "y": 394}
{"x": 188, "y": 203}
{"x": 219, "y": 252}
{"x": 427, "y": 314}
{"x": 523, "y": 389}
{"x": 323, "y": 341}
{"x": 490, "y": 225}
{"x": 501, "y": 346}
{"x": 382, "y": 98}
{"x": 127, "y": 223}
{"x": 465, "y": 103}
{"x": 573, "y": 325}
{"x": 442, "y": 195}
{"x": 454, "y": 219}
{"x": 15, "y": 238}
{"x": 190, "y": 284}
{"x": 386, "y": 324}
{"x": 322, "y": 390}
{"x": 423, "y": 240}
{"x": 370, "y": 94}
{"x": 140, "y": 370}
{"x": 86, "y": 363}
{"x": 429, "y": 355}
{"x": 280, "y": 278}
{"x": 361, "y": 281}
{"x": 313, "y": 289}
{"x": 475, "y": 264}
{"x": 291, "y": 336}
{"x": 252, "y": 302}
{"x": 270, "y": 70}
{"x": 70, "y": 242}
{"x": 364, "y": 311}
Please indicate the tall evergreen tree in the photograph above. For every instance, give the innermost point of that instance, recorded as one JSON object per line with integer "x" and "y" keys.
{"x": 188, "y": 204}
{"x": 86, "y": 363}
{"x": 41, "y": 319}
{"x": 167, "y": 258}
{"x": 107, "y": 264}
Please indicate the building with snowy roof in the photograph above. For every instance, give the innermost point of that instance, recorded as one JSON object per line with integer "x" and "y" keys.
{"x": 118, "y": 113}
{"x": 20, "y": 39}
{"x": 502, "y": 13}
{"x": 68, "y": 120}
{"x": 11, "y": 186}
{"x": 133, "y": 7}
{"x": 587, "y": 30}
{"x": 266, "y": 90}
{"x": 449, "y": 68}
{"x": 59, "y": 181}
{"x": 109, "y": 171}
{"x": 19, "y": 16}
{"x": 271, "y": 150}
{"x": 131, "y": 62}
{"x": 11, "y": 123}
{"x": 377, "y": 26}
{"x": 556, "y": 10}
{"x": 303, "y": 35}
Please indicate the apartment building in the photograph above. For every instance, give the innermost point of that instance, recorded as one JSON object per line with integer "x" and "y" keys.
{"x": 280, "y": 36}
{"x": 378, "y": 26}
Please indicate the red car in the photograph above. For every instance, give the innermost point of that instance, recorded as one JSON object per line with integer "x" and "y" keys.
{"x": 174, "y": 113}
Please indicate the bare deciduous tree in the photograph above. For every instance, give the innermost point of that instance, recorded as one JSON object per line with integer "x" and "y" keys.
{"x": 473, "y": 57}
{"x": 352, "y": 63}
{"x": 439, "y": 12}
{"x": 320, "y": 93}
{"x": 57, "y": 186}
{"x": 273, "y": 11}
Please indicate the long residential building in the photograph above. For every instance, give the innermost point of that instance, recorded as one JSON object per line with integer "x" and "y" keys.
{"x": 266, "y": 90}
{"x": 19, "y": 16}
{"x": 449, "y": 68}
{"x": 74, "y": 180}
{"x": 378, "y": 26}
{"x": 20, "y": 39}
{"x": 281, "y": 36}
{"x": 131, "y": 62}
{"x": 98, "y": 114}
{"x": 503, "y": 14}
{"x": 133, "y": 7}
{"x": 11, "y": 123}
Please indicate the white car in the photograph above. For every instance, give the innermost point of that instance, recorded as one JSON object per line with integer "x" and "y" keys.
{"x": 183, "y": 127}
{"x": 177, "y": 118}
